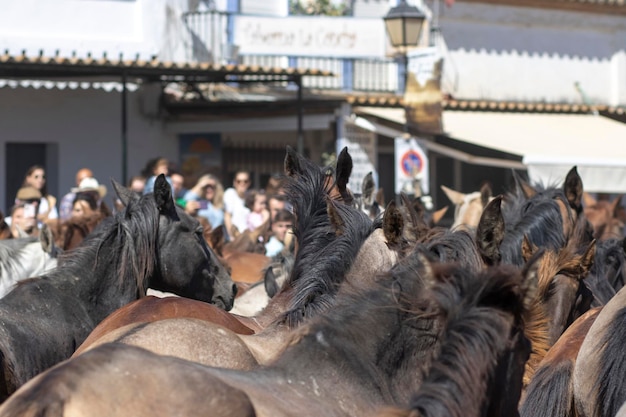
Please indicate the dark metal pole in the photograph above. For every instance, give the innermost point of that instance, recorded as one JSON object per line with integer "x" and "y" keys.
{"x": 300, "y": 143}
{"x": 124, "y": 132}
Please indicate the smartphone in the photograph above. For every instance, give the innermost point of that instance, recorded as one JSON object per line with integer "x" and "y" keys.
{"x": 204, "y": 204}
{"x": 29, "y": 211}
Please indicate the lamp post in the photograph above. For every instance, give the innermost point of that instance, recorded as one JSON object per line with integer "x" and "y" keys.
{"x": 404, "y": 27}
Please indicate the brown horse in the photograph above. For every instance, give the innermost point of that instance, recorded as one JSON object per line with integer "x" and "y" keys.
{"x": 603, "y": 216}
{"x": 371, "y": 351}
{"x": 550, "y": 391}
{"x": 599, "y": 385}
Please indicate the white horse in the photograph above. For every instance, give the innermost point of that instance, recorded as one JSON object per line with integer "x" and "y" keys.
{"x": 26, "y": 257}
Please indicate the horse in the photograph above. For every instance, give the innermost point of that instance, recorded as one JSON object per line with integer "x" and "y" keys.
{"x": 152, "y": 242}
{"x": 26, "y": 257}
{"x": 259, "y": 294}
{"x": 75, "y": 230}
{"x": 369, "y": 201}
{"x": 468, "y": 207}
{"x": 598, "y": 378}
{"x": 549, "y": 217}
{"x": 606, "y": 275}
{"x": 550, "y": 391}
{"x": 372, "y": 350}
{"x": 333, "y": 237}
{"x": 602, "y": 214}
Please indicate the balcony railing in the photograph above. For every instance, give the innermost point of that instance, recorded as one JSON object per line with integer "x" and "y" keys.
{"x": 211, "y": 33}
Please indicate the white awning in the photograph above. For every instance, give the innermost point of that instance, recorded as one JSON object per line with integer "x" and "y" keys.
{"x": 549, "y": 144}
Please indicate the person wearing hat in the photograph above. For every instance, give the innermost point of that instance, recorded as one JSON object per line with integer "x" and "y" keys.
{"x": 91, "y": 186}
{"x": 65, "y": 206}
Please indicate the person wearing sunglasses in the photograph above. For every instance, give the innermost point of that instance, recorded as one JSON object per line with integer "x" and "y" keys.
{"x": 235, "y": 210}
{"x": 36, "y": 177}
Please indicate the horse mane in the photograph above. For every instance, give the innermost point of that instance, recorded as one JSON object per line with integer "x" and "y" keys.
{"x": 133, "y": 235}
{"x": 478, "y": 313}
{"x": 323, "y": 259}
{"x": 365, "y": 323}
{"x": 541, "y": 223}
{"x": 452, "y": 246}
{"x": 609, "y": 258}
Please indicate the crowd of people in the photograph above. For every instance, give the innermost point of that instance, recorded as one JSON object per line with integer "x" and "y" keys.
{"x": 238, "y": 208}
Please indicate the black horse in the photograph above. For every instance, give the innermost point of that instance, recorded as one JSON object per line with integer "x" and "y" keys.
{"x": 151, "y": 243}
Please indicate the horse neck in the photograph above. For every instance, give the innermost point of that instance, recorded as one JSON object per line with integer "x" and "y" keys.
{"x": 92, "y": 274}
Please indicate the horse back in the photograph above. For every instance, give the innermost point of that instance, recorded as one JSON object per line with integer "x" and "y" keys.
{"x": 40, "y": 325}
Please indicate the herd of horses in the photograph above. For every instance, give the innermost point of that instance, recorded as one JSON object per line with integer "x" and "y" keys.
{"x": 518, "y": 309}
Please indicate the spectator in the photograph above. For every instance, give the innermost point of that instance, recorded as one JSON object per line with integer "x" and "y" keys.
{"x": 274, "y": 185}
{"x": 281, "y": 225}
{"x": 161, "y": 166}
{"x": 85, "y": 205}
{"x": 235, "y": 211}
{"x": 178, "y": 188}
{"x": 65, "y": 206}
{"x": 276, "y": 203}
{"x": 206, "y": 199}
{"x": 23, "y": 217}
{"x": 36, "y": 177}
{"x": 256, "y": 202}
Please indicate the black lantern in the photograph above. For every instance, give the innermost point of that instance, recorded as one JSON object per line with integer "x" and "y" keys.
{"x": 404, "y": 25}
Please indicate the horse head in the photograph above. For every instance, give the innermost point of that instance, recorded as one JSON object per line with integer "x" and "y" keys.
{"x": 185, "y": 264}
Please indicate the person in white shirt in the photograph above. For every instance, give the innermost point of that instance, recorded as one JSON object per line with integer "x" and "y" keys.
{"x": 235, "y": 210}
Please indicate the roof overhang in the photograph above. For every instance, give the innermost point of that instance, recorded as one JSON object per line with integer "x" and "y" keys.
{"x": 548, "y": 144}
{"x": 42, "y": 67}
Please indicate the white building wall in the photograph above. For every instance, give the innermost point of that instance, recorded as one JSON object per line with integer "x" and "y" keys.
{"x": 517, "y": 53}
{"x": 86, "y": 124}
{"x": 142, "y": 28}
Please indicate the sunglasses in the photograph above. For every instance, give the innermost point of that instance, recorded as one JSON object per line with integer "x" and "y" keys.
{"x": 212, "y": 186}
{"x": 39, "y": 176}
{"x": 242, "y": 181}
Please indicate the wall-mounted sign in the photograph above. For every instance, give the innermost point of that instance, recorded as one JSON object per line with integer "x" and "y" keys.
{"x": 411, "y": 167}
{"x": 310, "y": 36}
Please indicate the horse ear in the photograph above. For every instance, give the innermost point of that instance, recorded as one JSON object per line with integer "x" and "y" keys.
{"x": 124, "y": 194}
{"x": 587, "y": 259}
{"x": 454, "y": 196}
{"x": 269, "y": 281}
{"x": 335, "y": 219}
{"x": 342, "y": 174}
{"x": 216, "y": 240}
{"x": 530, "y": 273}
{"x": 46, "y": 238}
{"x": 393, "y": 224}
{"x": 615, "y": 205}
{"x": 573, "y": 188}
{"x": 367, "y": 189}
{"x": 292, "y": 163}
{"x": 163, "y": 196}
{"x": 527, "y": 190}
{"x": 438, "y": 215}
{"x": 490, "y": 231}
{"x": 485, "y": 194}
{"x": 380, "y": 197}
{"x": 588, "y": 199}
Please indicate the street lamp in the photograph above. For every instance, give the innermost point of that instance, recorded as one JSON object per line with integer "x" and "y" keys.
{"x": 404, "y": 27}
